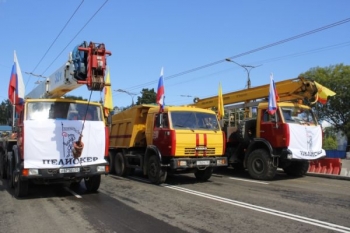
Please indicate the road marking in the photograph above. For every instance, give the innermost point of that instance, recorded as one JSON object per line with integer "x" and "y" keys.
{"x": 72, "y": 192}
{"x": 281, "y": 214}
{"x": 253, "y": 181}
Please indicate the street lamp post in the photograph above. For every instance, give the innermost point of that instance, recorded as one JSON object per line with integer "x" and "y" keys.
{"x": 247, "y": 68}
{"x": 132, "y": 95}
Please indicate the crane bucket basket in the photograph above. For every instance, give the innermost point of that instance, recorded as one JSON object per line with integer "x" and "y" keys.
{"x": 95, "y": 59}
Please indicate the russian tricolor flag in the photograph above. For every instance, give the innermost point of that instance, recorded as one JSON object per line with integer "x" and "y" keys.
{"x": 16, "y": 86}
{"x": 273, "y": 97}
{"x": 160, "y": 92}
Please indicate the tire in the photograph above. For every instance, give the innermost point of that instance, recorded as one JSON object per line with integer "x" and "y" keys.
{"x": 111, "y": 156}
{"x": 2, "y": 166}
{"x": 260, "y": 165}
{"x": 203, "y": 175}
{"x": 92, "y": 183}
{"x": 10, "y": 173}
{"x": 155, "y": 173}
{"x": 297, "y": 168}
{"x": 119, "y": 165}
{"x": 21, "y": 186}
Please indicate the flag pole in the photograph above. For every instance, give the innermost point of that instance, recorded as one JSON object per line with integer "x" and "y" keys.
{"x": 14, "y": 96}
{"x": 13, "y": 111}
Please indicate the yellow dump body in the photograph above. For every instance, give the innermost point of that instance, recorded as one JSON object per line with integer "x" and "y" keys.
{"x": 137, "y": 127}
{"x": 128, "y": 127}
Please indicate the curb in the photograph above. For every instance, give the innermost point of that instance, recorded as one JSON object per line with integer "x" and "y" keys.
{"x": 337, "y": 177}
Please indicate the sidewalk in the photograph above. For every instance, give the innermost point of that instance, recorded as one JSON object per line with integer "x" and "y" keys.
{"x": 344, "y": 173}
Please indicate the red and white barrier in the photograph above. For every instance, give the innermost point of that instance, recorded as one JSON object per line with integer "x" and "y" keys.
{"x": 326, "y": 166}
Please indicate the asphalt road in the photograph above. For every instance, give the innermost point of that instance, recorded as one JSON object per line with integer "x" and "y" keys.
{"x": 229, "y": 202}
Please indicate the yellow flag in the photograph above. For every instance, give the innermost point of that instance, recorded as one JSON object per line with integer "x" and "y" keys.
{"x": 323, "y": 93}
{"x": 108, "y": 103}
{"x": 220, "y": 104}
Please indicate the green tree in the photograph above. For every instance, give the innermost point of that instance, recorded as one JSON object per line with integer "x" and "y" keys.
{"x": 329, "y": 143}
{"x": 337, "y": 109}
{"x": 148, "y": 96}
{"x": 5, "y": 112}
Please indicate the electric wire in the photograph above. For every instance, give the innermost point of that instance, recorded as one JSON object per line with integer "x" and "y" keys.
{"x": 274, "y": 59}
{"x": 247, "y": 52}
{"x": 76, "y": 35}
{"x": 55, "y": 41}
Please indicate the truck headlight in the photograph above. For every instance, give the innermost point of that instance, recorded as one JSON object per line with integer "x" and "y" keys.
{"x": 221, "y": 162}
{"x": 101, "y": 168}
{"x": 181, "y": 163}
{"x": 33, "y": 172}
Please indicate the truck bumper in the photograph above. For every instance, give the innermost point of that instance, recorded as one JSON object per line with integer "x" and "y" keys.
{"x": 184, "y": 163}
{"x": 63, "y": 175}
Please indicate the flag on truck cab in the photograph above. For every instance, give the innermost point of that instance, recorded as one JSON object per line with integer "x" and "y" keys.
{"x": 108, "y": 103}
{"x": 220, "y": 104}
{"x": 160, "y": 92}
{"x": 323, "y": 93}
{"x": 16, "y": 86}
{"x": 273, "y": 97}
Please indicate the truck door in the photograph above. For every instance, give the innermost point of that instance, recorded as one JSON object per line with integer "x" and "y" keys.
{"x": 271, "y": 128}
{"x": 161, "y": 134}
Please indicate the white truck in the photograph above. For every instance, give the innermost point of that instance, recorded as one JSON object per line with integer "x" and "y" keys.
{"x": 51, "y": 130}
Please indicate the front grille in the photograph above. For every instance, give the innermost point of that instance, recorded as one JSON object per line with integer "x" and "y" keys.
{"x": 85, "y": 169}
{"x": 52, "y": 171}
{"x": 192, "y": 151}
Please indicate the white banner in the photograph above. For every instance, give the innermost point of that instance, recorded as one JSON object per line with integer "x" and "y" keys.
{"x": 49, "y": 143}
{"x": 306, "y": 142}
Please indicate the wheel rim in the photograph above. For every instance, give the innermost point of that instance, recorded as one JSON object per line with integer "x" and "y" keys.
{"x": 16, "y": 178}
{"x": 152, "y": 169}
{"x": 258, "y": 165}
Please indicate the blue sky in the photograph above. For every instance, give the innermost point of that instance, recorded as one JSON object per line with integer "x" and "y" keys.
{"x": 144, "y": 36}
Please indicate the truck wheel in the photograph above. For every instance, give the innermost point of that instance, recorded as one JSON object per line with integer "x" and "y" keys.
{"x": 21, "y": 186}
{"x": 260, "y": 165}
{"x": 203, "y": 175}
{"x": 119, "y": 165}
{"x": 297, "y": 168}
{"x": 2, "y": 166}
{"x": 92, "y": 183}
{"x": 155, "y": 173}
{"x": 111, "y": 156}
{"x": 10, "y": 173}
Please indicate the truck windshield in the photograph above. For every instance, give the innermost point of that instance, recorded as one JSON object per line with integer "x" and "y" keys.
{"x": 63, "y": 111}
{"x": 194, "y": 120}
{"x": 298, "y": 115}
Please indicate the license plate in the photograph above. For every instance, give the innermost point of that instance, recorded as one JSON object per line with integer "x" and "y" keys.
{"x": 201, "y": 148}
{"x": 70, "y": 170}
{"x": 204, "y": 162}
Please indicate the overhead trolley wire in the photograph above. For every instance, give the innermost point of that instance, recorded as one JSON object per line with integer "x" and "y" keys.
{"x": 56, "y": 38}
{"x": 248, "y": 52}
{"x": 76, "y": 35}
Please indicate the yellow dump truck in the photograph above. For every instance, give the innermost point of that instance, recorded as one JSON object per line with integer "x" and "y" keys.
{"x": 179, "y": 139}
